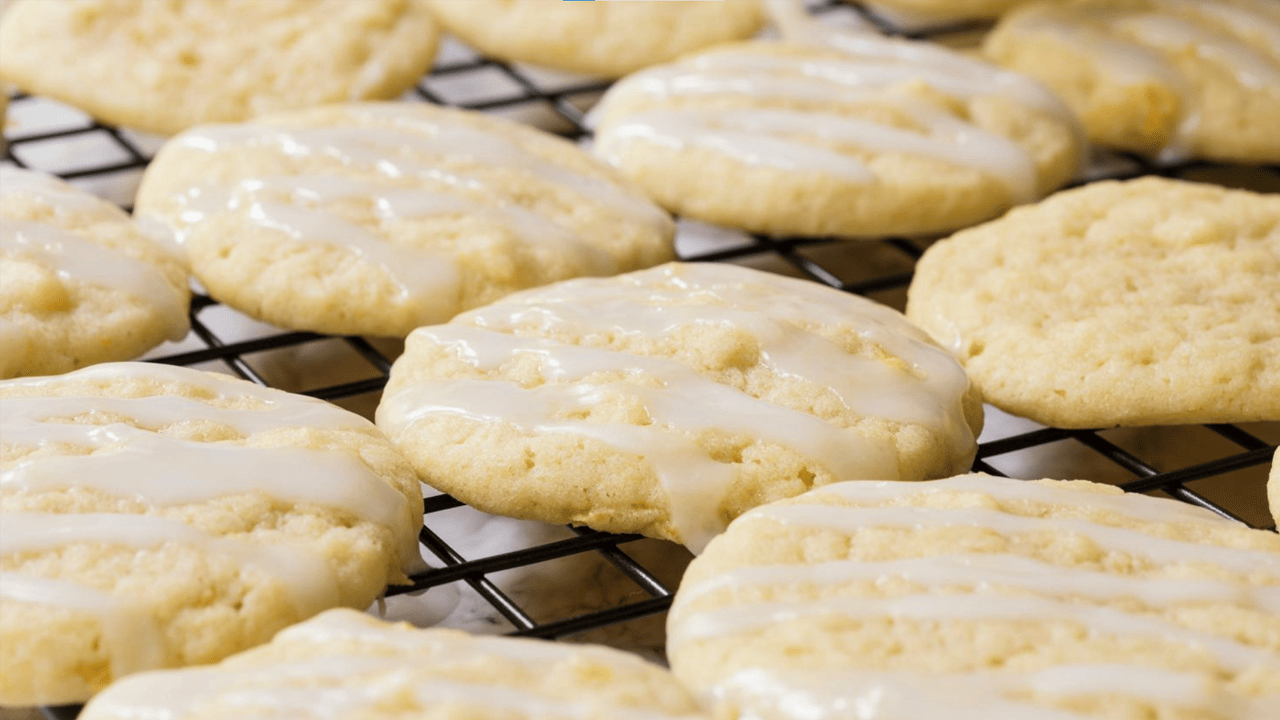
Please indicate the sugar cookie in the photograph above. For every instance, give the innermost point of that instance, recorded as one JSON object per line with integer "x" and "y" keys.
{"x": 376, "y": 218}
{"x": 1148, "y": 302}
{"x": 166, "y": 66}
{"x": 668, "y": 401}
{"x": 982, "y": 597}
{"x": 79, "y": 282}
{"x": 157, "y": 516}
{"x": 850, "y": 135}
{"x": 1175, "y": 79}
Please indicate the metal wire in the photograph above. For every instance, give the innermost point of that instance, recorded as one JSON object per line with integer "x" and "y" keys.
{"x": 1234, "y": 448}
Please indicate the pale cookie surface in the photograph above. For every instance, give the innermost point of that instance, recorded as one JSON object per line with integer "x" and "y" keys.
{"x": 668, "y": 401}
{"x": 166, "y": 66}
{"x": 841, "y": 134}
{"x": 1169, "y": 78}
{"x": 156, "y": 516}
{"x": 609, "y": 39}
{"x": 1148, "y": 302}
{"x": 376, "y": 218}
{"x": 79, "y": 282}
{"x": 346, "y": 664}
{"x": 979, "y": 597}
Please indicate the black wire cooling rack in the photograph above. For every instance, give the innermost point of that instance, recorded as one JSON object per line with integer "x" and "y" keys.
{"x": 1219, "y": 467}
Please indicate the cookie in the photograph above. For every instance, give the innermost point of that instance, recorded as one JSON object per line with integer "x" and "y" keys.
{"x": 914, "y": 12}
{"x": 163, "y": 67}
{"x": 1173, "y": 79}
{"x": 983, "y": 597}
{"x": 157, "y": 516}
{"x": 376, "y": 218}
{"x": 1148, "y": 302}
{"x": 608, "y": 39}
{"x": 80, "y": 283}
{"x": 347, "y": 664}
{"x": 857, "y": 135}
{"x": 668, "y": 401}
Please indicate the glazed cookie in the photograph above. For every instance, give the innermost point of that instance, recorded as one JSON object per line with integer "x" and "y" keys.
{"x": 1170, "y": 78}
{"x": 609, "y": 39}
{"x": 851, "y": 135}
{"x": 347, "y": 664}
{"x": 377, "y": 218}
{"x": 79, "y": 282}
{"x": 157, "y": 516}
{"x": 1148, "y": 302}
{"x": 668, "y": 401}
{"x": 982, "y": 597}
{"x": 166, "y": 66}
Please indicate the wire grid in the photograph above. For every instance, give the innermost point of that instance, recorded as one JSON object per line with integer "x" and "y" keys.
{"x": 1223, "y": 472}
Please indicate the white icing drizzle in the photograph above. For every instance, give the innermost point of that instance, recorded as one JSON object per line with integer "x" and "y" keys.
{"x": 162, "y": 470}
{"x": 872, "y": 67}
{"x": 57, "y": 195}
{"x": 991, "y": 571}
{"x": 309, "y": 582}
{"x": 402, "y": 666}
{"x": 133, "y": 640}
{"x": 75, "y": 260}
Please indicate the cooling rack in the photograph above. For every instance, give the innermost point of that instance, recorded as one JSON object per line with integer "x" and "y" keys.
{"x": 1219, "y": 467}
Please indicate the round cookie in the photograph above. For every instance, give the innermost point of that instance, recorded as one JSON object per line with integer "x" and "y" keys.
{"x": 1148, "y": 302}
{"x": 79, "y": 282}
{"x": 377, "y": 218}
{"x": 668, "y": 401}
{"x": 981, "y": 597}
{"x": 347, "y": 664}
{"x": 165, "y": 66}
{"x": 843, "y": 134}
{"x": 1174, "y": 79}
{"x": 609, "y": 39}
{"x": 157, "y": 516}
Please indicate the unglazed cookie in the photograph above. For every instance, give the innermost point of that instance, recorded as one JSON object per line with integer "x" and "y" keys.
{"x": 377, "y": 218}
{"x": 609, "y": 39}
{"x": 346, "y": 664}
{"x": 166, "y": 66}
{"x": 852, "y": 135}
{"x": 1169, "y": 78}
{"x": 668, "y": 401}
{"x": 157, "y": 516}
{"x": 79, "y": 282}
{"x": 982, "y": 597}
{"x": 1148, "y": 302}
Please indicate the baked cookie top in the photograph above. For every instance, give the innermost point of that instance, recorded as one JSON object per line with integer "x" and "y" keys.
{"x": 843, "y": 134}
{"x": 347, "y": 664}
{"x": 166, "y": 66}
{"x": 982, "y": 597}
{"x": 1148, "y": 302}
{"x": 157, "y": 516}
{"x": 1170, "y": 78}
{"x": 670, "y": 400}
{"x": 609, "y": 39}
{"x": 935, "y": 11}
{"x": 79, "y": 282}
{"x": 375, "y": 218}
